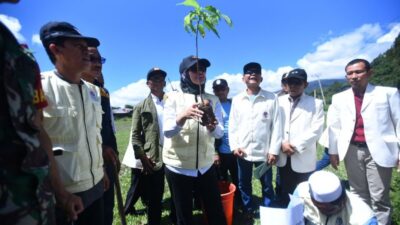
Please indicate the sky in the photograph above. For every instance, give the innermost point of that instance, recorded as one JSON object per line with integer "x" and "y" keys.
{"x": 320, "y": 36}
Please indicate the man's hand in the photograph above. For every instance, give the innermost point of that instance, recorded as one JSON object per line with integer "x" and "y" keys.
{"x": 334, "y": 161}
{"x": 288, "y": 149}
{"x": 217, "y": 161}
{"x": 110, "y": 157}
{"x": 70, "y": 203}
{"x": 239, "y": 152}
{"x": 106, "y": 181}
{"x": 272, "y": 159}
{"x": 148, "y": 164}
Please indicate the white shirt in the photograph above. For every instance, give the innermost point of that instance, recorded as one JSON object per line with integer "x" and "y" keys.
{"x": 159, "y": 104}
{"x": 255, "y": 126}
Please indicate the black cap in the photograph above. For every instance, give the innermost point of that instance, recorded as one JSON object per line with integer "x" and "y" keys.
{"x": 219, "y": 83}
{"x": 53, "y": 30}
{"x": 297, "y": 73}
{"x": 252, "y": 67}
{"x": 284, "y": 76}
{"x": 189, "y": 61}
{"x": 156, "y": 71}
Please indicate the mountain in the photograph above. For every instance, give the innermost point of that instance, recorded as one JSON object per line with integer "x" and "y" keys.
{"x": 312, "y": 85}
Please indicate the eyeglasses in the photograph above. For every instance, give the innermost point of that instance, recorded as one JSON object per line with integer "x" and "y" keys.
{"x": 355, "y": 72}
{"x": 194, "y": 69}
{"x": 95, "y": 59}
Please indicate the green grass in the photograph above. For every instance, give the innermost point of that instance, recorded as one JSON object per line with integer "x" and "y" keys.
{"x": 123, "y": 127}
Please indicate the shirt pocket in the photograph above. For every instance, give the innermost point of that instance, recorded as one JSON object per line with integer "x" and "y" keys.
{"x": 60, "y": 124}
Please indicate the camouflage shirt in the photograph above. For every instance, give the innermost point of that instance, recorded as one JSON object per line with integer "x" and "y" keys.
{"x": 25, "y": 193}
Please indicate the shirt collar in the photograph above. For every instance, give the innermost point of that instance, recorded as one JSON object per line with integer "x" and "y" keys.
{"x": 156, "y": 100}
{"x": 297, "y": 99}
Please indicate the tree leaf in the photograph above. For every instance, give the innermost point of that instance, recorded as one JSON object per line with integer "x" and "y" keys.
{"x": 192, "y": 3}
{"x": 211, "y": 27}
{"x": 227, "y": 20}
{"x": 201, "y": 30}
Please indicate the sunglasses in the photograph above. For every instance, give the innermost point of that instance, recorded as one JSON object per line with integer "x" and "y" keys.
{"x": 194, "y": 69}
{"x": 95, "y": 59}
{"x": 256, "y": 72}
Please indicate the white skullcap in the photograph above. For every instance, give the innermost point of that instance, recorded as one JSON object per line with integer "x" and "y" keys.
{"x": 325, "y": 186}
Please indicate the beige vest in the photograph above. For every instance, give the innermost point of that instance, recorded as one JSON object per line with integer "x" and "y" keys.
{"x": 355, "y": 212}
{"x": 180, "y": 150}
{"x": 73, "y": 121}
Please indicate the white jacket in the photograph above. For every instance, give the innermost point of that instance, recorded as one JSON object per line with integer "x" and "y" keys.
{"x": 380, "y": 111}
{"x": 72, "y": 119}
{"x": 302, "y": 130}
{"x": 355, "y": 211}
{"x": 255, "y": 127}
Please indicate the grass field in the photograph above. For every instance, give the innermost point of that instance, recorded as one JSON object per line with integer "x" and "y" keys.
{"x": 123, "y": 130}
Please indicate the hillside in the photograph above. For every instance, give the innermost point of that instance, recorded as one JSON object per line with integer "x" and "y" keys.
{"x": 386, "y": 67}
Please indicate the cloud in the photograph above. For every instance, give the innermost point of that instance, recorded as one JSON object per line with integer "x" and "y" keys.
{"x": 327, "y": 61}
{"x": 391, "y": 36}
{"x": 367, "y": 42}
{"x": 36, "y": 39}
{"x": 13, "y": 24}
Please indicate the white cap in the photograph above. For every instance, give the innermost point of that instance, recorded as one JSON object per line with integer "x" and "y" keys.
{"x": 325, "y": 186}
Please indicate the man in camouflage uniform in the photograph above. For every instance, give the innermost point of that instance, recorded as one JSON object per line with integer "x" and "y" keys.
{"x": 26, "y": 177}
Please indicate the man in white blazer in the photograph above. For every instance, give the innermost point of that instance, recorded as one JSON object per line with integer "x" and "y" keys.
{"x": 303, "y": 119}
{"x": 364, "y": 129}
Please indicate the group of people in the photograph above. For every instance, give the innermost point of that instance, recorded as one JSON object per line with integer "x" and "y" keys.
{"x": 257, "y": 128}
{"x": 59, "y": 157}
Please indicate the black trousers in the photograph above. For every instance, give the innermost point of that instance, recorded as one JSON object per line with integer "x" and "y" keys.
{"x": 92, "y": 215}
{"x": 151, "y": 188}
{"x": 289, "y": 180}
{"x": 204, "y": 186}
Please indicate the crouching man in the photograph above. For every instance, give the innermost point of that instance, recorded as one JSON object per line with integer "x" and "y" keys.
{"x": 326, "y": 201}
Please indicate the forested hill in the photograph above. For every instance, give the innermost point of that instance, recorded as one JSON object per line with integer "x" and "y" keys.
{"x": 386, "y": 67}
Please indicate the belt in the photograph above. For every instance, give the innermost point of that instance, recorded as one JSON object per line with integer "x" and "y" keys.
{"x": 359, "y": 144}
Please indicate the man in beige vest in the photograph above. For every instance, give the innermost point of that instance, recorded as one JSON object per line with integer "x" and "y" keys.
{"x": 73, "y": 119}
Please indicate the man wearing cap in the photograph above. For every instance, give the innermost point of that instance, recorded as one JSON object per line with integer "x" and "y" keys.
{"x": 109, "y": 141}
{"x": 327, "y": 202}
{"x": 147, "y": 141}
{"x": 29, "y": 177}
{"x": 364, "y": 131}
{"x": 303, "y": 119}
{"x": 284, "y": 85}
{"x": 188, "y": 151}
{"x": 225, "y": 159}
{"x": 73, "y": 118}
{"x": 255, "y": 131}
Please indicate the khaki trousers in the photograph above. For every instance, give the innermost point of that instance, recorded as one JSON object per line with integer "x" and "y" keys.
{"x": 369, "y": 181}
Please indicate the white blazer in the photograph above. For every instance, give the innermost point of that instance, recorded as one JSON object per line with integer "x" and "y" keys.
{"x": 302, "y": 130}
{"x": 380, "y": 111}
